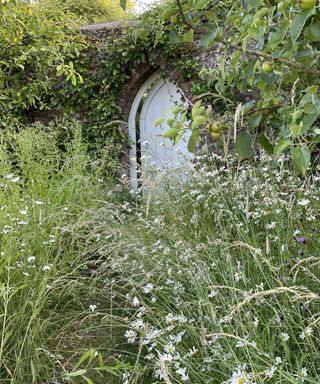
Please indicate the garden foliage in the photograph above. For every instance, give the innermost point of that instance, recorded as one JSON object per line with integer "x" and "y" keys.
{"x": 48, "y": 65}
{"x": 37, "y": 45}
{"x": 266, "y": 77}
{"x": 92, "y": 11}
{"x": 211, "y": 279}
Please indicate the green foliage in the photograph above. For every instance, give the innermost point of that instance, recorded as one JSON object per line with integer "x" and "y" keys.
{"x": 92, "y": 11}
{"x": 36, "y": 48}
{"x": 46, "y": 64}
{"x": 268, "y": 67}
{"x": 244, "y": 145}
{"x": 54, "y": 68}
{"x": 268, "y": 83}
{"x": 93, "y": 362}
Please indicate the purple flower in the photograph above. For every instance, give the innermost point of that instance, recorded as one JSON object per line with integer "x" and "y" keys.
{"x": 301, "y": 240}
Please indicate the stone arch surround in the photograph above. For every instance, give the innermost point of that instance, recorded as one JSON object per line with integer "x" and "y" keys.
{"x": 142, "y": 72}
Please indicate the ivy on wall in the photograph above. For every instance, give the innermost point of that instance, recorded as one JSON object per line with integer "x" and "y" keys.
{"x": 48, "y": 65}
{"x": 106, "y": 71}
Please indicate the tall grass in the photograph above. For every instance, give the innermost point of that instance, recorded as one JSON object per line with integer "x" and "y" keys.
{"x": 211, "y": 279}
{"x": 45, "y": 197}
{"x": 216, "y": 278}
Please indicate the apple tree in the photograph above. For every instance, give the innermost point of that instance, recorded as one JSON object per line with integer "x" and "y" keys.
{"x": 267, "y": 75}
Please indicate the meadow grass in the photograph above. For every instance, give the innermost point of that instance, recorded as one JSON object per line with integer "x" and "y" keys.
{"x": 45, "y": 194}
{"x": 215, "y": 279}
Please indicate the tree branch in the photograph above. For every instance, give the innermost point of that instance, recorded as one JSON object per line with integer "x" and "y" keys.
{"x": 185, "y": 20}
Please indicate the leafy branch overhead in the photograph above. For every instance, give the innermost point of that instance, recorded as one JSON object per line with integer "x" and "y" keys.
{"x": 268, "y": 68}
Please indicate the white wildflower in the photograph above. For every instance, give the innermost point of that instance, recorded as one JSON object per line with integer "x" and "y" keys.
{"x": 182, "y": 373}
{"x": 285, "y": 336}
{"x": 271, "y": 225}
{"x": 256, "y": 322}
{"x": 51, "y": 241}
{"x": 240, "y": 344}
{"x": 304, "y": 372}
{"x": 238, "y": 276}
{"x": 212, "y": 293}
{"x": 92, "y": 307}
{"x": 304, "y": 202}
{"x": 278, "y": 360}
{"x": 130, "y": 335}
{"x": 31, "y": 259}
{"x": 170, "y": 348}
{"x": 177, "y": 338}
{"x": 137, "y": 324}
{"x": 12, "y": 178}
{"x": 238, "y": 380}
{"x": 141, "y": 311}
{"x": 167, "y": 357}
{"x": 225, "y": 320}
{"x": 135, "y": 302}
{"x": 270, "y": 372}
{"x": 148, "y": 288}
{"x": 307, "y": 332}
{"x": 192, "y": 351}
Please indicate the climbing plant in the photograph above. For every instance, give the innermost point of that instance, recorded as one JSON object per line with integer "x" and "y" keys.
{"x": 47, "y": 64}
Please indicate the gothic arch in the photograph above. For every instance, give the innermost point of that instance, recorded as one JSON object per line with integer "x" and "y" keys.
{"x": 143, "y": 72}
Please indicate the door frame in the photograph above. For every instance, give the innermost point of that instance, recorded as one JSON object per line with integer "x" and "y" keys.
{"x": 132, "y": 126}
{"x": 145, "y": 108}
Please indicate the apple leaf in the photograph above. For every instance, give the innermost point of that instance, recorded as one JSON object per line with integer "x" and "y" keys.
{"x": 188, "y": 36}
{"x": 299, "y": 22}
{"x": 265, "y": 143}
{"x": 244, "y": 145}
{"x": 301, "y": 156}
{"x": 283, "y": 143}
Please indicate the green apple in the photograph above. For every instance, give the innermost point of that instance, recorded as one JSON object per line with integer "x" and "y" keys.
{"x": 305, "y": 5}
{"x": 267, "y": 66}
{"x": 174, "y": 19}
{"x": 216, "y": 127}
{"x": 215, "y": 135}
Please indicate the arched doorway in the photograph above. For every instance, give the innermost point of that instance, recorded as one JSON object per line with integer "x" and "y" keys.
{"x": 151, "y": 154}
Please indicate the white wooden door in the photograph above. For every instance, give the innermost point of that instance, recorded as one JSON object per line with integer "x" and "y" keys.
{"x": 158, "y": 153}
